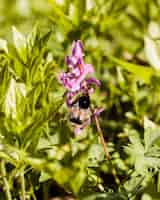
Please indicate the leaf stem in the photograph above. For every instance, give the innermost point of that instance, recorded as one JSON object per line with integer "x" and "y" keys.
{"x": 6, "y": 184}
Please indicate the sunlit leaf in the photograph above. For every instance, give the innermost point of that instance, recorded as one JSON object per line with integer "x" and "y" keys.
{"x": 151, "y": 134}
{"x": 14, "y": 89}
{"x": 20, "y": 43}
{"x": 140, "y": 72}
{"x": 3, "y": 45}
{"x": 152, "y": 52}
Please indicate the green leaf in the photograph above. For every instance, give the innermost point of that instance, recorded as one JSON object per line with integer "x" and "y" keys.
{"x": 78, "y": 180}
{"x": 8, "y": 158}
{"x": 19, "y": 43}
{"x": 104, "y": 196}
{"x": 63, "y": 175}
{"x": 63, "y": 20}
{"x": 142, "y": 73}
{"x": 154, "y": 30}
{"x": 135, "y": 150}
{"x": 152, "y": 52}
{"x": 134, "y": 183}
{"x": 4, "y": 83}
{"x": 18, "y": 68}
{"x": 151, "y": 133}
{"x": 3, "y": 45}
{"x": 95, "y": 154}
{"x": 10, "y": 104}
{"x": 146, "y": 197}
{"x": 136, "y": 142}
{"x": 79, "y": 10}
{"x": 44, "y": 177}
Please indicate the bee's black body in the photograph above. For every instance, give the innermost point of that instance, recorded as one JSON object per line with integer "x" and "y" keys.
{"x": 76, "y": 120}
{"x": 84, "y": 102}
{"x": 80, "y": 113}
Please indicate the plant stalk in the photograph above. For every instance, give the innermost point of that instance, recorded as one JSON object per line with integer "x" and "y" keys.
{"x": 22, "y": 182}
{"x": 105, "y": 149}
{"x": 6, "y": 184}
{"x": 102, "y": 138}
{"x": 45, "y": 191}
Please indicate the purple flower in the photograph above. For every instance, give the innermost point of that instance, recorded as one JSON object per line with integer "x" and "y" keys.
{"x": 77, "y": 80}
{"x": 78, "y": 70}
{"x": 77, "y": 55}
{"x": 72, "y": 80}
{"x": 97, "y": 112}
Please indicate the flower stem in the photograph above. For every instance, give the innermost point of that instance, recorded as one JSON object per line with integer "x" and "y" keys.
{"x": 102, "y": 138}
{"x": 105, "y": 149}
{"x": 22, "y": 182}
{"x": 45, "y": 191}
{"x": 6, "y": 185}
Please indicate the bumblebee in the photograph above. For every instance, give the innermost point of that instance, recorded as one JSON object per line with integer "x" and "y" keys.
{"x": 80, "y": 112}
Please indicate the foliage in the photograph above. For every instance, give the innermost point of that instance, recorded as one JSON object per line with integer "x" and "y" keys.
{"x": 38, "y": 148}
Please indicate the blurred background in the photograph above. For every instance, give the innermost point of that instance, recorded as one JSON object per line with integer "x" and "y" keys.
{"x": 128, "y": 30}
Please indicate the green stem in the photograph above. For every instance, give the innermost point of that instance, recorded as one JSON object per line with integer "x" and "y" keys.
{"x": 22, "y": 181}
{"x": 79, "y": 10}
{"x": 66, "y": 9}
{"x": 34, "y": 196}
{"x": 6, "y": 185}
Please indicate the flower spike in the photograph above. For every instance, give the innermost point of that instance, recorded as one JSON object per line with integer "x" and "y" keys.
{"x": 78, "y": 81}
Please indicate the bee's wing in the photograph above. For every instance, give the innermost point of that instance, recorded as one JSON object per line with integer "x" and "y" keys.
{"x": 74, "y": 111}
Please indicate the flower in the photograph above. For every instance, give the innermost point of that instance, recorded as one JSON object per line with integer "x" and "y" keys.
{"x": 78, "y": 70}
{"x": 77, "y": 80}
{"x": 77, "y": 55}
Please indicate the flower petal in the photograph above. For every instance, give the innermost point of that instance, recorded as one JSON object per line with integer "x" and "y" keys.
{"x": 97, "y": 112}
{"x": 77, "y": 49}
{"x": 71, "y": 61}
{"x": 93, "y": 80}
{"x": 70, "y": 98}
{"x": 88, "y": 69}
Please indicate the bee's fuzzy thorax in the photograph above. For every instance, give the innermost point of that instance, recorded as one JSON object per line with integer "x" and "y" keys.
{"x": 84, "y": 102}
